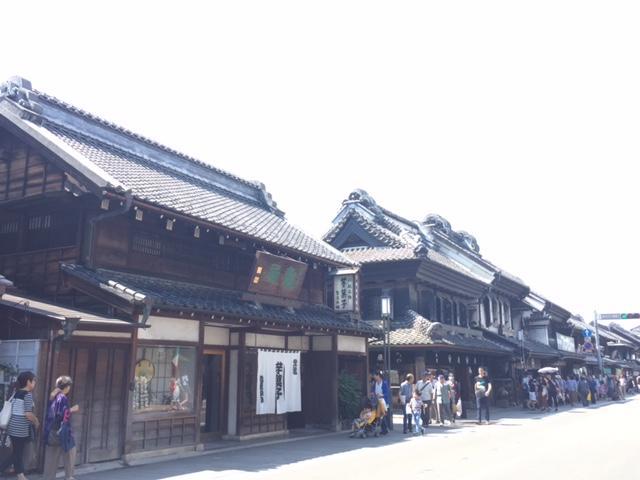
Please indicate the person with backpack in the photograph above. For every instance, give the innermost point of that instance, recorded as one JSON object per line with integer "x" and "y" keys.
{"x": 22, "y": 424}
{"x": 58, "y": 436}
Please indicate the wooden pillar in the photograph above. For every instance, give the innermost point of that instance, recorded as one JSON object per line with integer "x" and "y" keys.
{"x": 197, "y": 384}
{"x": 128, "y": 408}
{"x": 367, "y": 370}
{"x": 242, "y": 354}
{"x": 333, "y": 387}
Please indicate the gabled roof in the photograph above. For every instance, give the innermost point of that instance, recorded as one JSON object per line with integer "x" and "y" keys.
{"x": 368, "y": 255}
{"x": 609, "y": 334}
{"x": 111, "y": 158}
{"x": 177, "y": 295}
{"x": 630, "y": 335}
{"x": 413, "y": 330}
{"x": 433, "y": 233}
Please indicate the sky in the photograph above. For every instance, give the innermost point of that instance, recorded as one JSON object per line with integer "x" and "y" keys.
{"x": 516, "y": 121}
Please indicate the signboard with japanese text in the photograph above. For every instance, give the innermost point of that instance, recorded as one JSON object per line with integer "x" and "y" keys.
{"x": 277, "y": 276}
{"x": 345, "y": 293}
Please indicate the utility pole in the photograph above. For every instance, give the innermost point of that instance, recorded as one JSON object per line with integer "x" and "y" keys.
{"x": 595, "y": 322}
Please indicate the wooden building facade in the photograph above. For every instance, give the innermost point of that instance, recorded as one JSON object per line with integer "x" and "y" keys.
{"x": 154, "y": 279}
{"x": 445, "y": 297}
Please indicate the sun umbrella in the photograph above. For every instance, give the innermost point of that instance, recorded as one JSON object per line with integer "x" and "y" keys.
{"x": 548, "y": 370}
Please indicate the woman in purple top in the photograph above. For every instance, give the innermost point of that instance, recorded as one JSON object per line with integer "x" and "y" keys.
{"x": 57, "y": 431}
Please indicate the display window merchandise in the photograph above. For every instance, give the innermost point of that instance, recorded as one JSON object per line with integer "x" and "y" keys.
{"x": 164, "y": 379}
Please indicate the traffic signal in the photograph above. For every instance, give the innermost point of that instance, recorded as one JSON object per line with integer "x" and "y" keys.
{"x": 628, "y": 316}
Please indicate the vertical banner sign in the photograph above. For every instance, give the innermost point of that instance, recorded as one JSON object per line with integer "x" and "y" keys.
{"x": 281, "y": 399}
{"x": 343, "y": 293}
{"x": 293, "y": 383}
{"x": 266, "y": 386}
{"x": 279, "y": 386}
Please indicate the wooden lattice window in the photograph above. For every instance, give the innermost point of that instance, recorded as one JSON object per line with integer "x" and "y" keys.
{"x": 8, "y": 228}
{"x": 39, "y": 222}
{"x": 147, "y": 245}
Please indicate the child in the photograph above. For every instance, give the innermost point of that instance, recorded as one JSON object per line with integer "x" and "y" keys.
{"x": 360, "y": 422}
{"x": 416, "y": 410}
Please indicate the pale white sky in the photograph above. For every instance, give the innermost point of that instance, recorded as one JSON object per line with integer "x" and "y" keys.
{"x": 516, "y": 121}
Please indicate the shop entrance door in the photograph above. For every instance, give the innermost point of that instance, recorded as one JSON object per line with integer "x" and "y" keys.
{"x": 212, "y": 408}
{"x": 99, "y": 388}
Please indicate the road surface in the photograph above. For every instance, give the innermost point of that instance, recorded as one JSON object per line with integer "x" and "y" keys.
{"x": 595, "y": 442}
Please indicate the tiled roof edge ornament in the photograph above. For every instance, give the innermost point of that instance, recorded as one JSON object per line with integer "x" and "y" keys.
{"x": 429, "y": 329}
{"x": 469, "y": 241}
{"x": 437, "y": 222}
{"x": 461, "y": 238}
{"x": 268, "y": 200}
{"x": 5, "y": 283}
{"x": 361, "y": 196}
{"x": 421, "y": 250}
{"x": 20, "y": 91}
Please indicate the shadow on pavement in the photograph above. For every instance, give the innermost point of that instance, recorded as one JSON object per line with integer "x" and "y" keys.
{"x": 261, "y": 458}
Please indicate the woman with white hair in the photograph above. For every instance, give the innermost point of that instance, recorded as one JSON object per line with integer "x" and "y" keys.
{"x": 58, "y": 436}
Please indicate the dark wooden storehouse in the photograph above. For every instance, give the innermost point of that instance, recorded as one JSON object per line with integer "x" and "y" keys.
{"x": 154, "y": 279}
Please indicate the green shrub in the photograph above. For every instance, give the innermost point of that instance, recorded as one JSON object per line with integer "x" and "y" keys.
{"x": 349, "y": 396}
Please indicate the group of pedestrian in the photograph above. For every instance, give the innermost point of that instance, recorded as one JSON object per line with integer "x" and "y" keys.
{"x": 436, "y": 399}
{"x": 23, "y": 426}
{"x": 546, "y": 391}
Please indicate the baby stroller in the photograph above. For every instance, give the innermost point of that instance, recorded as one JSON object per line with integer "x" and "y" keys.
{"x": 369, "y": 422}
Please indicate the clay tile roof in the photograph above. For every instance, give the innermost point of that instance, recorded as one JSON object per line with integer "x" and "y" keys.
{"x": 177, "y": 295}
{"x": 412, "y": 329}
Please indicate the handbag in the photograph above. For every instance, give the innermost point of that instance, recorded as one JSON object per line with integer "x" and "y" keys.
{"x": 5, "y": 413}
{"x": 53, "y": 440}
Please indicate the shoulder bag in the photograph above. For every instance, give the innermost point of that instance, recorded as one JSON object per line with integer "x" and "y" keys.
{"x": 5, "y": 413}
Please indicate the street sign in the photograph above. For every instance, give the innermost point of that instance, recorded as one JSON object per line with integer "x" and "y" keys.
{"x": 618, "y": 316}
{"x": 587, "y": 333}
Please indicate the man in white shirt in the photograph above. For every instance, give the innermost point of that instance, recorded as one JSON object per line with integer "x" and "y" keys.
{"x": 623, "y": 387}
{"x": 425, "y": 389}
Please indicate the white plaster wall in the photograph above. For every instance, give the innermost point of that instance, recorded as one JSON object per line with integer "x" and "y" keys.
{"x": 90, "y": 333}
{"x": 539, "y": 335}
{"x": 322, "y": 343}
{"x": 163, "y": 328}
{"x": 347, "y": 343}
{"x": 264, "y": 341}
{"x": 216, "y": 336}
{"x": 299, "y": 343}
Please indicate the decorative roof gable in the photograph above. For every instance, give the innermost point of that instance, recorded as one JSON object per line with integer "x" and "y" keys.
{"x": 457, "y": 250}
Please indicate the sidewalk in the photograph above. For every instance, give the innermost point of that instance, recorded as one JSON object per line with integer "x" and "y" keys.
{"x": 308, "y": 445}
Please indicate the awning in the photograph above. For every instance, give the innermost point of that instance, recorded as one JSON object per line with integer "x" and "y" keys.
{"x": 61, "y": 314}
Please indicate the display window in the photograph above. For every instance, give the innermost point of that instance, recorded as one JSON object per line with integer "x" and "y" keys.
{"x": 164, "y": 379}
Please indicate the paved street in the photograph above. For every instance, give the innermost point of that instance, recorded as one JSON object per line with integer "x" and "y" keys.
{"x": 597, "y": 442}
